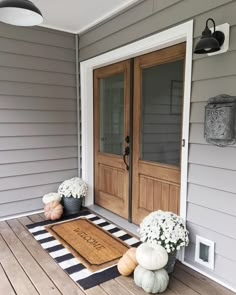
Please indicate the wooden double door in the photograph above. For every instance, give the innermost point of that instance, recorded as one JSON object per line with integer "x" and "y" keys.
{"x": 138, "y": 107}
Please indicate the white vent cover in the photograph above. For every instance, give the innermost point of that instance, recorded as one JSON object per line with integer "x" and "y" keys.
{"x": 205, "y": 252}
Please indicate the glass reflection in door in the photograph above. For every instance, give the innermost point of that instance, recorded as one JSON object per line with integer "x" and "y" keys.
{"x": 161, "y": 112}
{"x": 111, "y": 114}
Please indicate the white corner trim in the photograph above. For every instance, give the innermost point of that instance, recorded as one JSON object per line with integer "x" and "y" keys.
{"x": 78, "y": 101}
{"x": 172, "y": 36}
{"x": 209, "y": 276}
{"x": 21, "y": 215}
{"x": 225, "y": 28}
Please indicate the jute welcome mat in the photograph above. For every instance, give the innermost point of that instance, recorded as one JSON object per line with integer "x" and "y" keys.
{"x": 95, "y": 247}
{"x": 86, "y": 273}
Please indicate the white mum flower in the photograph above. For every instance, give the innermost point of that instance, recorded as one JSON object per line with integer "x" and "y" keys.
{"x": 74, "y": 187}
{"x": 164, "y": 228}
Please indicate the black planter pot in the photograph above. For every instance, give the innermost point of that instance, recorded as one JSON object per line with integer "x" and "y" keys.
{"x": 71, "y": 205}
{"x": 171, "y": 262}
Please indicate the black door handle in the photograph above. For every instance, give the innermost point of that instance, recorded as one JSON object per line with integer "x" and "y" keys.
{"x": 126, "y": 153}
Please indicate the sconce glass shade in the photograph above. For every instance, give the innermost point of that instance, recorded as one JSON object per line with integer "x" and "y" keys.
{"x": 209, "y": 42}
{"x": 20, "y": 13}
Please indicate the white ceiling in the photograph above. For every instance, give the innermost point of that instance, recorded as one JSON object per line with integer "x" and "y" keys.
{"x": 76, "y": 16}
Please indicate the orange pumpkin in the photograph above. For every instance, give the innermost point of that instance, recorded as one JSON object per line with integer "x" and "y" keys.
{"x": 53, "y": 210}
{"x": 128, "y": 262}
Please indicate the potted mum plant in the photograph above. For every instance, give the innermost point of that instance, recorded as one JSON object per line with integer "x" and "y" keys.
{"x": 72, "y": 192}
{"x": 166, "y": 229}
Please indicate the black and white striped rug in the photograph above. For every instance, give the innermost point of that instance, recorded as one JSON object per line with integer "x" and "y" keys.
{"x": 71, "y": 265}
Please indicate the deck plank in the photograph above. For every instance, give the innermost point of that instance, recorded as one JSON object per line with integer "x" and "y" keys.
{"x": 96, "y": 291}
{"x": 53, "y": 270}
{"x": 198, "y": 282}
{"x": 36, "y": 274}
{"x": 36, "y": 218}
{"x": 42, "y": 216}
{"x": 180, "y": 288}
{"x": 20, "y": 282}
{"x": 215, "y": 286}
{"x": 113, "y": 286}
{"x": 129, "y": 285}
{"x": 5, "y": 286}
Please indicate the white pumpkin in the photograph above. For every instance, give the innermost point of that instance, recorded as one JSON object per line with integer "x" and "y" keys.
{"x": 48, "y": 198}
{"x": 151, "y": 281}
{"x": 151, "y": 257}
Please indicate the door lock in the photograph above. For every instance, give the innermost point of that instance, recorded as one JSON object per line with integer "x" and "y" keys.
{"x": 127, "y": 139}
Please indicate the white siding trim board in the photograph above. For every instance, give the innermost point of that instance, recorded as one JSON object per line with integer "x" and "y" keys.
{"x": 21, "y": 215}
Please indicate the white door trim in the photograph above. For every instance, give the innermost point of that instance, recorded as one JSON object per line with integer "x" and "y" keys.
{"x": 175, "y": 35}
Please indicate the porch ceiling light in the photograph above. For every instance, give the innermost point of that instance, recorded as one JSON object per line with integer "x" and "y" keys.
{"x": 20, "y": 13}
{"x": 210, "y": 42}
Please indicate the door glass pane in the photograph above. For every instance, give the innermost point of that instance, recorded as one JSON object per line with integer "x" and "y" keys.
{"x": 111, "y": 114}
{"x": 161, "y": 112}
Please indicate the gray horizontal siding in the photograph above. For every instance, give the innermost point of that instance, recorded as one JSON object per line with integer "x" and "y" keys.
{"x": 198, "y": 215}
{"x": 38, "y": 35}
{"x": 223, "y": 267}
{"x": 212, "y": 170}
{"x": 16, "y": 182}
{"x": 26, "y": 193}
{"x": 38, "y": 119}
{"x": 29, "y": 116}
{"x": 221, "y": 179}
{"x": 8, "y": 102}
{"x": 33, "y": 89}
{"x": 29, "y": 155}
{"x": 202, "y": 90}
{"x": 212, "y": 156}
{"x": 158, "y": 21}
{"x": 38, "y": 166}
{"x": 36, "y": 142}
{"x": 37, "y": 129}
{"x": 12, "y": 60}
{"x": 211, "y": 198}
{"x": 36, "y": 49}
{"x": 32, "y": 76}
{"x": 8, "y": 209}
{"x": 226, "y": 249}
{"x": 214, "y": 67}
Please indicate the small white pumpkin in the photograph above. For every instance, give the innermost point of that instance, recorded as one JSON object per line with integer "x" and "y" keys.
{"x": 151, "y": 257}
{"x": 151, "y": 281}
{"x": 51, "y": 197}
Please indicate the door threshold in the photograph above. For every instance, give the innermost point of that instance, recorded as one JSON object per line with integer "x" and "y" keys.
{"x": 121, "y": 222}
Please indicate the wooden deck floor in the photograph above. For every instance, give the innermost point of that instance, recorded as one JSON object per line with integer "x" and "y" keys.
{"x": 25, "y": 268}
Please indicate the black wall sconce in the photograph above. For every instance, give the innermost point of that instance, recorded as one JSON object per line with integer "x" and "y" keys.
{"x": 210, "y": 42}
